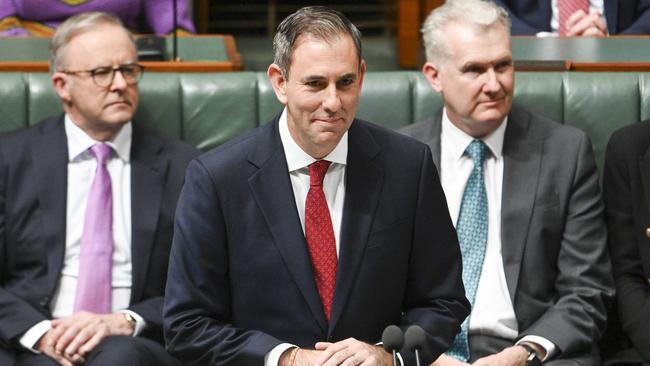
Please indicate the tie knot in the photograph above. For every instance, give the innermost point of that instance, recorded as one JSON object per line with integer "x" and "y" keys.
{"x": 317, "y": 172}
{"x": 477, "y": 151}
{"x": 101, "y": 152}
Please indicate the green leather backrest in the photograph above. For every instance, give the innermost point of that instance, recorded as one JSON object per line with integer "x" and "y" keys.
{"x": 207, "y": 109}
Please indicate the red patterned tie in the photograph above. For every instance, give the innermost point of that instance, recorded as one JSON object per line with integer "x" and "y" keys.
{"x": 320, "y": 236}
{"x": 568, "y": 7}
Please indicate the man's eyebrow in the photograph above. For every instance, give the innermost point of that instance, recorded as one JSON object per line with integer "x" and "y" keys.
{"x": 473, "y": 64}
{"x": 349, "y": 76}
{"x": 312, "y": 77}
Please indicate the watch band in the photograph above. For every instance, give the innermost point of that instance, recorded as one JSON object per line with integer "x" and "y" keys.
{"x": 533, "y": 358}
{"x": 129, "y": 318}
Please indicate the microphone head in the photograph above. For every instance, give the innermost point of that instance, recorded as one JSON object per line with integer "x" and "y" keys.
{"x": 392, "y": 338}
{"x": 414, "y": 338}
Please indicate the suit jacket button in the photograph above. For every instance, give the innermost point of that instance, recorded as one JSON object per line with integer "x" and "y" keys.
{"x": 647, "y": 232}
{"x": 45, "y": 301}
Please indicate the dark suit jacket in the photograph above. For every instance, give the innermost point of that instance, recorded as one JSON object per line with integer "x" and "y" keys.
{"x": 240, "y": 278}
{"x": 33, "y": 190}
{"x": 623, "y": 16}
{"x": 553, "y": 235}
{"x": 627, "y": 198}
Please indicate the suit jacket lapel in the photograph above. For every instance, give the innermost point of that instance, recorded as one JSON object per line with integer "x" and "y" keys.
{"x": 50, "y": 159}
{"x": 272, "y": 190}
{"x": 432, "y": 136}
{"x": 522, "y": 159}
{"x": 363, "y": 185}
{"x": 148, "y": 173}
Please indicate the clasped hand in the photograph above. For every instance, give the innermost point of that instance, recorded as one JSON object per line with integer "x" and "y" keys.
{"x": 70, "y": 339}
{"x": 349, "y": 352}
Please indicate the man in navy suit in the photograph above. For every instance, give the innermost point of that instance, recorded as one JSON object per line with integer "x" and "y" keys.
{"x": 249, "y": 283}
{"x": 531, "y": 17}
{"x": 47, "y": 302}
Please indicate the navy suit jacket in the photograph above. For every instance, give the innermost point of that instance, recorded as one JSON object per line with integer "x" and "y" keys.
{"x": 623, "y": 16}
{"x": 33, "y": 191}
{"x": 240, "y": 277}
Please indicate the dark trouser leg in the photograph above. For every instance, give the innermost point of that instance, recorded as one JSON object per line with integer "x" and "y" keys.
{"x": 123, "y": 350}
{"x": 31, "y": 359}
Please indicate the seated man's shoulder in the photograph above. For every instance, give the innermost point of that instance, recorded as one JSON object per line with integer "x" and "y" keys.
{"x": 633, "y": 136}
{"x": 422, "y": 129}
{"x": 546, "y": 128}
{"x": 15, "y": 140}
{"x": 390, "y": 139}
{"x": 172, "y": 147}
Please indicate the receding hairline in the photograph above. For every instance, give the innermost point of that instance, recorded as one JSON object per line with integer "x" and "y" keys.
{"x": 78, "y": 25}
{"x": 97, "y": 29}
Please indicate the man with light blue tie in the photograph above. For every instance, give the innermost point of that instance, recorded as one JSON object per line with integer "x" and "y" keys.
{"x": 524, "y": 196}
{"x": 87, "y": 200}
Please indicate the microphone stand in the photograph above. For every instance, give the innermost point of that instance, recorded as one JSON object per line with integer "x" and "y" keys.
{"x": 175, "y": 35}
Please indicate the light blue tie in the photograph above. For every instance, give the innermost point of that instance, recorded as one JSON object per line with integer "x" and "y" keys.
{"x": 472, "y": 229}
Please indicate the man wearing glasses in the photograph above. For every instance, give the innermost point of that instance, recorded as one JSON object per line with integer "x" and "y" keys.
{"x": 86, "y": 207}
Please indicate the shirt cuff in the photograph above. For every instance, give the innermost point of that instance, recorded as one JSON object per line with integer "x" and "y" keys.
{"x": 548, "y": 346}
{"x": 546, "y": 34}
{"x": 273, "y": 357}
{"x": 33, "y": 334}
{"x": 140, "y": 323}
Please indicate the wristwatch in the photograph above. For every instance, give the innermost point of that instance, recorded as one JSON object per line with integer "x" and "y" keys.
{"x": 532, "y": 359}
{"x": 131, "y": 320}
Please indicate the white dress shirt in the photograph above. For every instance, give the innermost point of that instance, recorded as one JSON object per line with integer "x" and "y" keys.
{"x": 298, "y": 162}
{"x": 492, "y": 312}
{"x": 81, "y": 172}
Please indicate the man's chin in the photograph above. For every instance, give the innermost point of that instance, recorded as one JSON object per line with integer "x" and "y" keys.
{"x": 119, "y": 118}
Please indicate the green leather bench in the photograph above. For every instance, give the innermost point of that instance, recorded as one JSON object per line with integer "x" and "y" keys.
{"x": 207, "y": 109}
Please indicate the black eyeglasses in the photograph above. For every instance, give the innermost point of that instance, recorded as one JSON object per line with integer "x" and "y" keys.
{"x": 104, "y": 76}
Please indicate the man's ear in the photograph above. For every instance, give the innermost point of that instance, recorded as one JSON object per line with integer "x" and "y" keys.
{"x": 278, "y": 81}
{"x": 61, "y": 84}
{"x": 432, "y": 74}
{"x": 362, "y": 73}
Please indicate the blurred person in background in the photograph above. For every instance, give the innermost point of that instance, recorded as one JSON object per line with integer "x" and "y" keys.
{"x": 42, "y": 17}
{"x": 571, "y": 18}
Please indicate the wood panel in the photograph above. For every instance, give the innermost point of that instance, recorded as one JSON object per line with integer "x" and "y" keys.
{"x": 410, "y": 15}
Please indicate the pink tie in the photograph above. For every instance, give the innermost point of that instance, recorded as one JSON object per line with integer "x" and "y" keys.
{"x": 96, "y": 258}
{"x": 320, "y": 236}
{"x": 568, "y": 7}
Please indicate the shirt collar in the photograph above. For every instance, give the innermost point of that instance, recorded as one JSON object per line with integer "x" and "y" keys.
{"x": 459, "y": 140}
{"x": 79, "y": 142}
{"x": 297, "y": 158}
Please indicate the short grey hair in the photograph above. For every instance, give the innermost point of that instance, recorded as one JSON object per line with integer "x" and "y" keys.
{"x": 482, "y": 14}
{"x": 319, "y": 22}
{"x": 74, "y": 26}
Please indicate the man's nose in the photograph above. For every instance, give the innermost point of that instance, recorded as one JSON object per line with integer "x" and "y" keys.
{"x": 492, "y": 84}
{"x": 332, "y": 100}
{"x": 119, "y": 83}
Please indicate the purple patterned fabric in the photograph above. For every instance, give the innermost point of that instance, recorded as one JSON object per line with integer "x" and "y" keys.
{"x": 96, "y": 258}
{"x": 158, "y": 14}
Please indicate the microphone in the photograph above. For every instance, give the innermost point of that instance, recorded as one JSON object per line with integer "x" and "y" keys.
{"x": 415, "y": 339}
{"x": 392, "y": 339}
